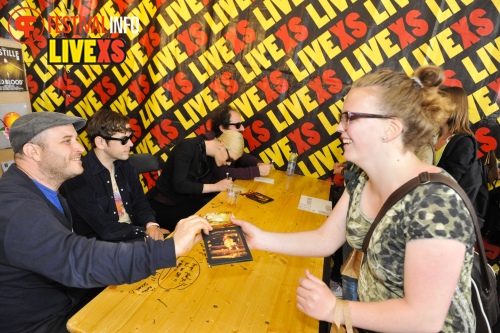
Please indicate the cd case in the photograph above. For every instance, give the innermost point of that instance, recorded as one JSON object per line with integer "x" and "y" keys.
{"x": 226, "y": 245}
{"x": 256, "y": 196}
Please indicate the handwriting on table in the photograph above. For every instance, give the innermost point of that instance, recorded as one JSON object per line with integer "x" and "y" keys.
{"x": 180, "y": 277}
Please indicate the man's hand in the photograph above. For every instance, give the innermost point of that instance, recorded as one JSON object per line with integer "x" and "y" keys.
{"x": 265, "y": 168}
{"x": 155, "y": 232}
{"x": 186, "y": 233}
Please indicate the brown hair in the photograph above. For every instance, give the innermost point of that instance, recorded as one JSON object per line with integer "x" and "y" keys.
{"x": 221, "y": 118}
{"x": 415, "y": 101}
{"x": 106, "y": 123}
{"x": 459, "y": 117}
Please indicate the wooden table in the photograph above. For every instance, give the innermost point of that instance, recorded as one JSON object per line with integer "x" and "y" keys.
{"x": 255, "y": 296}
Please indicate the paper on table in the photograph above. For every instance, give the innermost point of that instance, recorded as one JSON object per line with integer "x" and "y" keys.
{"x": 264, "y": 180}
{"x": 315, "y": 205}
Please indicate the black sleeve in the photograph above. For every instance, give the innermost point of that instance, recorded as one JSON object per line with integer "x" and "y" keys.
{"x": 458, "y": 158}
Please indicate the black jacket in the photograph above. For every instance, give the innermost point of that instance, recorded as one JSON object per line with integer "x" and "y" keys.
{"x": 460, "y": 160}
{"x": 185, "y": 171}
{"x": 90, "y": 198}
{"x": 42, "y": 261}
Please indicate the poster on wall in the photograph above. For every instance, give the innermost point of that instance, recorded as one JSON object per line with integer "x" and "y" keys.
{"x": 284, "y": 65}
{"x": 12, "y": 76}
{"x": 8, "y": 114}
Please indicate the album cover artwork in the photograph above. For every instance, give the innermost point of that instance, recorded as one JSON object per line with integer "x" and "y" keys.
{"x": 226, "y": 245}
{"x": 256, "y": 196}
{"x": 219, "y": 220}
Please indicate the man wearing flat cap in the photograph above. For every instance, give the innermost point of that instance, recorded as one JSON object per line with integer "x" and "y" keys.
{"x": 44, "y": 266}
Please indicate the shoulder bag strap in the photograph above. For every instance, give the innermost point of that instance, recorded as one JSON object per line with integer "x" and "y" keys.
{"x": 391, "y": 200}
{"x": 424, "y": 178}
{"x": 439, "y": 178}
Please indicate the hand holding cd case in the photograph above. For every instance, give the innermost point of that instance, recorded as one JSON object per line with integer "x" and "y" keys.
{"x": 226, "y": 245}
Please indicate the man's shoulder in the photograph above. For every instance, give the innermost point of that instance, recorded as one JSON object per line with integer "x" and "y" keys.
{"x": 16, "y": 192}
{"x": 91, "y": 163}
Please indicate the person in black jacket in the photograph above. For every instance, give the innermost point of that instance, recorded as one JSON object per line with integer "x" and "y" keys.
{"x": 247, "y": 166}
{"x": 45, "y": 268}
{"x": 456, "y": 150}
{"x": 186, "y": 183}
{"x": 107, "y": 200}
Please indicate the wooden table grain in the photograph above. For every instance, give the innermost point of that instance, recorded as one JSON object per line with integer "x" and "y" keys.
{"x": 255, "y": 296}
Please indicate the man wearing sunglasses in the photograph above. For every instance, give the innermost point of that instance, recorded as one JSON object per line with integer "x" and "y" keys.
{"x": 107, "y": 200}
{"x": 247, "y": 166}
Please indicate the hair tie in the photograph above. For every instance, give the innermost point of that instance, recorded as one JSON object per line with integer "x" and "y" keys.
{"x": 416, "y": 79}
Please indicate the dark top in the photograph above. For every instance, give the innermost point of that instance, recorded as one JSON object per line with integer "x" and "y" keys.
{"x": 245, "y": 167}
{"x": 460, "y": 160}
{"x": 92, "y": 203}
{"x": 41, "y": 258}
{"x": 186, "y": 170}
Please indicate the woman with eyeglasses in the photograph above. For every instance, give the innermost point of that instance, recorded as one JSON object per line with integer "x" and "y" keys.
{"x": 247, "y": 166}
{"x": 416, "y": 276}
{"x": 186, "y": 183}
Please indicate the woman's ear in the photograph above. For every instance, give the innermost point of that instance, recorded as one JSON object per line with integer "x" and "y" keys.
{"x": 393, "y": 130}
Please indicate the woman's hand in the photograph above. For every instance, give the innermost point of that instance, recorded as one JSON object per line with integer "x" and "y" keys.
{"x": 249, "y": 230}
{"x": 315, "y": 298}
{"x": 222, "y": 185}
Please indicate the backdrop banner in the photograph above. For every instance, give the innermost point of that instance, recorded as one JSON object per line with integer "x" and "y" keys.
{"x": 283, "y": 64}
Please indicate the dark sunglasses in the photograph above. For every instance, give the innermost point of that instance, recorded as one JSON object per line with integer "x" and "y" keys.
{"x": 237, "y": 125}
{"x": 347, "y": 117}
{"x": 123, "y": 140}
{"x": 229, "y": 158}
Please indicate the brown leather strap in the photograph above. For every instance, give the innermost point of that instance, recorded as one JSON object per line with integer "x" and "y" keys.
{"x": 391, "y": 201}
{"x": 425, "y": 178}
{"x": 342, "y": 310}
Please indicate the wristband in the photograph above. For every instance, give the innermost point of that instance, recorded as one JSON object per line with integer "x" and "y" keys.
{"x": 152, "y": 223}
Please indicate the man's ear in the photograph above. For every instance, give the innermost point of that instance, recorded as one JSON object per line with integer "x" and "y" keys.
{"x": 222, "y": 129}
{"x": 100, "y": 142}
{"x": 32, "y": 151}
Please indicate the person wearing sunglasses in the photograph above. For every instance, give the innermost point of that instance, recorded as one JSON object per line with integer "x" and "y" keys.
{"x": 186, "y": 182}
{"x": 247, "y": 166}
{"x": 107, "y": 200}
{"x": 47, "y": 271}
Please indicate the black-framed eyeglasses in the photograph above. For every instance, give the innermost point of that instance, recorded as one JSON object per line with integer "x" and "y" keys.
{"x": 229, "y": 158}
{"x": 346, "y": 117}
{"x": 123, "y": 140}
{"x": 237, "y": 125}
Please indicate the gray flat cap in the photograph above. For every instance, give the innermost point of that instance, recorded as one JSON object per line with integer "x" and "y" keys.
{"x": 28, "y": 126}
